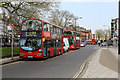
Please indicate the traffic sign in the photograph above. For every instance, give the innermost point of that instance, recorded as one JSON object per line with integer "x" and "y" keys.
{"x": 9, "y": 28}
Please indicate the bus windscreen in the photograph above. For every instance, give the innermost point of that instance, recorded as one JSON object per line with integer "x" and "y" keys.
{"x": 30, "y": 44}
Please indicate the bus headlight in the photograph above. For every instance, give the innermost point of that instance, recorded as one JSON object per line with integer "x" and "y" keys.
{"x": 40, "y": 49}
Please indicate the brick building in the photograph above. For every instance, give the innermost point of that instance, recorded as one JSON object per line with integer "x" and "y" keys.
{"x": 84, "y": 34}
{"x": 89, "y": 34}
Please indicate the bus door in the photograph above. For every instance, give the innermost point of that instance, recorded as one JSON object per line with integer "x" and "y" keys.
{"x": 45, "y": 48}
{"x": 55, "y": 49}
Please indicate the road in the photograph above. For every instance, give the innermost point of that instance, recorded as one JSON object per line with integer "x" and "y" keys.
{"x": 63, "y": 66}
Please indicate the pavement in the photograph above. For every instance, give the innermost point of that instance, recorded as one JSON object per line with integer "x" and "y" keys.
{"x": 104, "y": 64}
{"x": 9, "y": 60}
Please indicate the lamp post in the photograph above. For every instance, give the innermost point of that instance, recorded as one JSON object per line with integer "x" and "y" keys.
{"x": 12, "y": 40}
{"x": 75, "y": 21}
{"x": 108, "y": 32}
{"x": 108, "y": 42}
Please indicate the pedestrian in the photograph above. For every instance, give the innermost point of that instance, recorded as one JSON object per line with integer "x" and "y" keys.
{"x": 111, "y": 43}
{"x": 99, "y": 43}
{"x": 108, "y": 43}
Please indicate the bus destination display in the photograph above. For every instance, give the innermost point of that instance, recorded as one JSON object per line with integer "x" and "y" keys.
{"x": 31, "y": 34}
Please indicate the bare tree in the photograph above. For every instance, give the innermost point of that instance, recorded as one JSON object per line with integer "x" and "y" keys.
{"x": 62, "y": 18}
{"x": 107, "y": 33}
{"x": 100, "y": 33}
{"x": 15, "y": 12}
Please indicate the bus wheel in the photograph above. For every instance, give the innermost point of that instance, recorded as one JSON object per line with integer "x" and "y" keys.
{"x": 59, "y": 52}
{"x": 68, "y": 50}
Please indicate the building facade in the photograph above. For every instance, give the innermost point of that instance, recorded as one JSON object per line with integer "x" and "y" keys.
{"x": 84, "y": 34}
{"x": 89, "y": 34}
{"x": 114, "y": 30}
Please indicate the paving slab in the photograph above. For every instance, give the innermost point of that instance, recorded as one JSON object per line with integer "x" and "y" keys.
{"x": 108, "y": 59}
{"x": 97, "y": 70}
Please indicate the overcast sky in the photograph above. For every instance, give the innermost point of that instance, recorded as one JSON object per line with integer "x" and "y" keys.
{"x": 94, "y": 14}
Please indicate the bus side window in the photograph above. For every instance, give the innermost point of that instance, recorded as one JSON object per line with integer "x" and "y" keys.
{"x": 60, "y": 44}
{"x": 56, "y": 43}
{"x": 54, "y": 29}
{"x": 59, "y": 30}
{"x": 49, "y": 43}
{"x": 52, "y": 43}
{"x": 51, "y": 28}
{"x": 45, "y": 26}
{"x": 48, "y": 27}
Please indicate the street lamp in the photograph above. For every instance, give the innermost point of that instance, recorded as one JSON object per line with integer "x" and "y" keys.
{"x": 108, "y": 31}
{"x": 75, "y": 21}
{"x": 108, "y": 35}
{"x": 12, "y": 39}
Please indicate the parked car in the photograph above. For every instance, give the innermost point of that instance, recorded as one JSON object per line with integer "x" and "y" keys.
{"x": 83, "y": 44}
{"x": 2, "y": 44}
{"x": 103, "y": 44}
{"x": 88, "y": 42}
{"x": 15, "y": 44}
{"x": 66, "y": 44}
{"x": 8, "y": 44}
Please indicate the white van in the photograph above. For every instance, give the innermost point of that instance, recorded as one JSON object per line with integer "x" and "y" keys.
{"x": 66, "y": 44}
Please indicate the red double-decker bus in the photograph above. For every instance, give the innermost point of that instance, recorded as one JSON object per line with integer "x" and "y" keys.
{"x": 73, "y": 38}
{"x": 40, "y": 39}
{"x": 93, "y": 41}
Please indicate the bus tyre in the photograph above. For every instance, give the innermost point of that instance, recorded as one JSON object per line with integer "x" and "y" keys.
{"x": 63, "y": 50}
{"x": 68, "y": 50}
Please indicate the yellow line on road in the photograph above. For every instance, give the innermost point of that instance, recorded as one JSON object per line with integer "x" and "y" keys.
{"x": 10, "y": 63}
{"x": 18, "y": 62}
{"x": 83, "y": 65}
{"x": 77, "y": 74}
{"x": 32, "y": 61}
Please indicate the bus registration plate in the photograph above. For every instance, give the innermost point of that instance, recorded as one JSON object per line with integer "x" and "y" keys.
{"x": 30, "y": 56}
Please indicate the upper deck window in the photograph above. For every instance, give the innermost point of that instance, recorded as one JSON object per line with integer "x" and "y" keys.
{"x": 46, "y": 27}
{"x": 68, "y": 33}
{"x": 32, "y": 25}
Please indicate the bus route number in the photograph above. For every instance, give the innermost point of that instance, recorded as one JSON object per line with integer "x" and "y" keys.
{"x": 31, "y": 34}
